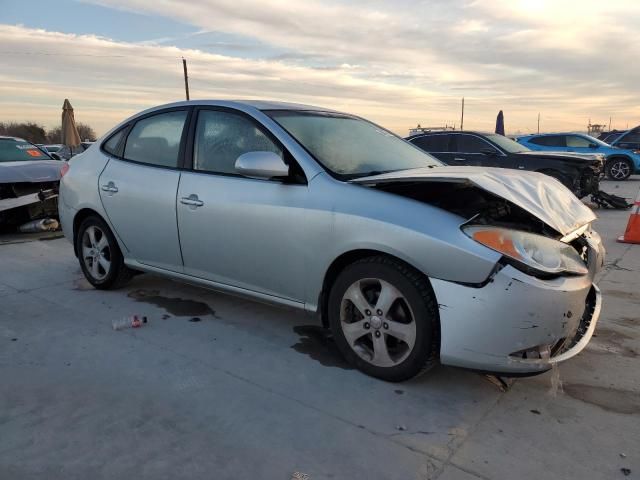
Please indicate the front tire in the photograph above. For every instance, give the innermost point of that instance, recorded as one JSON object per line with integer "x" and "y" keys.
{"x": 619, "y": 169}
{"x": 100, "y": 257}
{"x": 384, "y": 318}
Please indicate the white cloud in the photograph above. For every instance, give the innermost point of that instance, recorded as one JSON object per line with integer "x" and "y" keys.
{"x": 399, "y": 63}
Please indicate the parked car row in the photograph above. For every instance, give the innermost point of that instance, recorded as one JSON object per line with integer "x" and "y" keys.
{"x": 622, "y": 160}
{"x": 409, "y": 262}
{"x": 579, "y": 173}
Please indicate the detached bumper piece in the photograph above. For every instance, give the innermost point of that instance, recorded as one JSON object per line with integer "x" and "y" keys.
{"x": 566, "y": 348}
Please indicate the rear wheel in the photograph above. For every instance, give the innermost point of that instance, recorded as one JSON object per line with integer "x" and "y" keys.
{"x": 100, "y": 257}
{"x": 384, "y": 317}
{"x": 619, "y": 169}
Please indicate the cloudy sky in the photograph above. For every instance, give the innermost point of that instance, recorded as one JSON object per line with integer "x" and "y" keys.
{"x": 399, "y": 62}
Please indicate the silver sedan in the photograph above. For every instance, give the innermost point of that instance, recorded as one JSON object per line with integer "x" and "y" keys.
{"x": 408, "y": 262}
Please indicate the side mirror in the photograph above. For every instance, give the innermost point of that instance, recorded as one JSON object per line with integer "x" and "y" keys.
{"x": 261, "y": 165}
{"x": 489, "y": 152}
{"x": 55, "y": 156}
{"x": 593, "y": 145}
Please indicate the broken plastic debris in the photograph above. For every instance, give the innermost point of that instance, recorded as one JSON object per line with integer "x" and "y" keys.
{"x": 300, "y": 476}
{"x": 134, "y": 321}
{"x": 42, "y": 225}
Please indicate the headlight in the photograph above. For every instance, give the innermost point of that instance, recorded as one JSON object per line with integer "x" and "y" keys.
{"x": 536, "y": 252}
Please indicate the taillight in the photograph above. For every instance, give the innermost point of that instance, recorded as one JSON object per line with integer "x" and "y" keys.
{"x": 64, "y": 169}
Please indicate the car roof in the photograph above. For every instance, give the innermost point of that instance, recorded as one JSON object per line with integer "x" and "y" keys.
{"x": 448, "y": 132}
{"x": 257, "y": 104}
{"x": 17, "y": 139}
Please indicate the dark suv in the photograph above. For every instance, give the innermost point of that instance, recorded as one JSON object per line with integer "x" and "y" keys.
{"x": 580, "y": 173}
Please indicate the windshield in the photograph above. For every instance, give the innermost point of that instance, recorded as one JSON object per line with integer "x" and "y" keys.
{"x": 351, "y": 147}
{"x": 507, "y": 144}
{"x": 16, "y": 150}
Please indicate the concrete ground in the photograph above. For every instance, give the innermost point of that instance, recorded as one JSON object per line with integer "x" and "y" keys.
{"x": 253, "y": 391}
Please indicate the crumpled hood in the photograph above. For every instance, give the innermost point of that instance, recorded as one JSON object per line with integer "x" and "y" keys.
{"x": 30, "y": 171}
{"x": 537, "y": 193}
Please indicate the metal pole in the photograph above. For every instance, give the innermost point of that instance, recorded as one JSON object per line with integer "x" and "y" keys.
{"x": 538, "y": 122}
{"x": 462, "y": 116}
{"x": 186, "y": 77}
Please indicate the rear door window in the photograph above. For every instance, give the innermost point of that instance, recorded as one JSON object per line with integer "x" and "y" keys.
{"x": 438, "y": 143}
{"x": 470, "y": 144}
{"x": 156, "y": 140}
{"x": 549, "y": 141}
{"x": 575, "y": 141}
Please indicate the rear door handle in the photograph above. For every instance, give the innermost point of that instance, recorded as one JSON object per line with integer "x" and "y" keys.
{"x": 110, "y": 187}
{"x": 192, "y": 200}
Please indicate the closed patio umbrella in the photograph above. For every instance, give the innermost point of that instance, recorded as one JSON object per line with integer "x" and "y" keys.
{"x": 70, "y": 135}
{"x": 500, "y": 124}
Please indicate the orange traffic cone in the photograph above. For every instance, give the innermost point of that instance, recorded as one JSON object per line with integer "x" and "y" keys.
{"x": 632, "y": 234}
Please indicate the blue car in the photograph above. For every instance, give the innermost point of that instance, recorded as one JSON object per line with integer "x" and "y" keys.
{"x": 620, "y": 162}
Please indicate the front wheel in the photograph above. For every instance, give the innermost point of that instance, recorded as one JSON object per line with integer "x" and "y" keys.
{"x": 100, "y": 257}
{"x": 384, "y": 318}
{"x": 619, "y": 169}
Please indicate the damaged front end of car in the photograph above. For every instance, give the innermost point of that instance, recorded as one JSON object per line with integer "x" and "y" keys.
{"x": 28, "y": 192}
{"x": 539, "y": 305}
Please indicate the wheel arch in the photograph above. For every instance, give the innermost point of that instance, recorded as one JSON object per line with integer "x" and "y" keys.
{"x": 79, "y": 217}
{"x": 619, "y": 156}
{"x": 339, "y": 264}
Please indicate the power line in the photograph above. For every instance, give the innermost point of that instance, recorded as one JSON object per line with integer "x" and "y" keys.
{"x": 50, "y": 54}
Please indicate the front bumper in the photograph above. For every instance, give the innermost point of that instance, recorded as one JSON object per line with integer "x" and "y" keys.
{"x": 518, "y": 324}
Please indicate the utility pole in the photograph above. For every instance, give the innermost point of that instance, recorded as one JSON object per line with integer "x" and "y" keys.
{"x": 462, "y": 116}
{"x": 609, "y": 123}
{"x": 538, "y": 122}
{"x": 186, "y": 77}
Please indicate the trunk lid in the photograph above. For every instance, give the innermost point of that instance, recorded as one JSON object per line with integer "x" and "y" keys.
{"x": 540, "y": 195}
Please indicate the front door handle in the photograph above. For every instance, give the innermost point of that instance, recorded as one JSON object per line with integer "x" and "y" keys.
{"x": 192, "y": 200}
{"x": 110, "y": 187}
{"x": 458, "y": 159}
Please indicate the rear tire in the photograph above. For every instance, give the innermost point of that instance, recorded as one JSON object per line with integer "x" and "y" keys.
{"x": 99, "y": 255}
{"x": 384, "y": 318}
{"x": 619, "y": 169}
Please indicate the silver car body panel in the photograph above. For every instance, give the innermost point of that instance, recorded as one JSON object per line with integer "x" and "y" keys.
{"x": 140, "y": 201}
{"x": 275, "y": 242}
{"x": 539, "y": 194}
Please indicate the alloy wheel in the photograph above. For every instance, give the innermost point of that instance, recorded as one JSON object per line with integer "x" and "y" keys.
{"x": 620, "y": 170}
{"x": 377, "y": 322}
{"x": 96, "y": 253}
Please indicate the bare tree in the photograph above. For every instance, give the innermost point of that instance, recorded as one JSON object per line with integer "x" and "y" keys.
{"x": 86, "y": 132}
{"x": 29, "y": 131}
{"x": 54, "y": 135}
